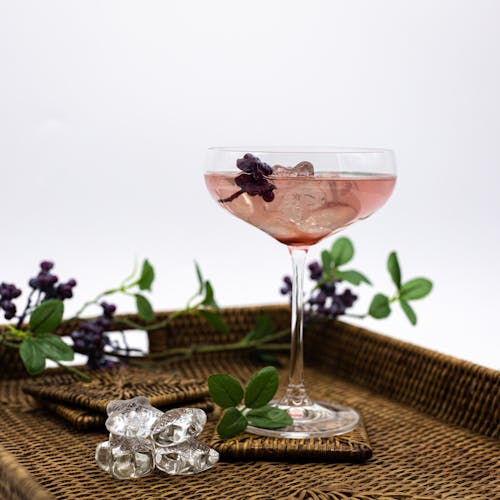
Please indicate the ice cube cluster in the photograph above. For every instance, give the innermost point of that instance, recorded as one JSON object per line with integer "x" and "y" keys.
{"x": 141, "y": 437}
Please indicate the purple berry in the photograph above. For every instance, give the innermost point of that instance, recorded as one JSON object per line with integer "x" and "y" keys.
{"x": 46, "y": 265}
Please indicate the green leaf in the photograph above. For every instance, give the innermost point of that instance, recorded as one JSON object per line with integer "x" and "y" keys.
{"x": 144, "y": 308}
{"x": 147, "y": 276}
{"x": 263, "y": 328}
{"x": 215, "y": 320}
{"x": 408, "y": 310}
{"x": 225, "y": 390}
{"x": 209, "y": 299}
{"x": 269, "y": 417}
{"x": 261, "y": 387}
{"x": 54, "y": 347}
{"x": 354, "y": 277}
{"x": 199, "y": 275}
{"x": 414, "y": 289}
{"x": 32, "y": 356}
{"x": 326, "y": 261}
{"x": 394, "y": 269}
{"x": 267, "y": 357}
{"x": 379, "y": 307}
{"x": 342, "y": 251}
{"x": 47, "y": 316}
{"x": 232, "y": 423}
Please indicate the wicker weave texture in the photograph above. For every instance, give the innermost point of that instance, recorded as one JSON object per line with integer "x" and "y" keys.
{"x": 414, "y": 456}
{"x": 432, "y": 422}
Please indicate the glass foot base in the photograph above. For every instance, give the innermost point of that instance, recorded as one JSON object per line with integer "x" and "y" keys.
{"x": 320, "y": 419}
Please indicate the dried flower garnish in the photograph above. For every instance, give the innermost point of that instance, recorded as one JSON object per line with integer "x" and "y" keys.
{"x": 254, "y": 179}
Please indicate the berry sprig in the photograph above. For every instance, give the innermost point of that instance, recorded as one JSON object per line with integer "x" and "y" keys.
{"x": 330, "y": 299}
{"x": 91, "y": 338}
{"x": 9, "y": 292}
{"x": 254, "y": 179}
{"x": 47, "y": 284}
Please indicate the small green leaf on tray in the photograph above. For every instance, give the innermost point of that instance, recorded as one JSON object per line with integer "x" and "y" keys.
{"x": 269, "y": 417}
{"x": 379, "y": 307}
{"x": 215, "y": 320}
{"x": 414, "y": 289}
{"x": 232, "y": 423}
{"x": 144, "y": 308}
{"x": 32, "y": 356}
{"x": 225, "y": 390}
{"x": 394, "y": 269}
{"x": 261, "y": 387}
{"x": 342, "y": 251}
{"x": 147, "y": 276}
{"x": 408, "y": 310}
{"x": 47, "y": 316}
{"x": 354, "y": 277}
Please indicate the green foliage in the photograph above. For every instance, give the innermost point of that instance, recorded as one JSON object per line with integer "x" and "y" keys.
{"x": 147, "y": 276}
{"x": 342, "y": 251}
{"x": 225, "y": 390}
{"x": 408, "y": 310}
{"x": 47, "y": 316}
{"x": 35, "y": 350}
{"x": 379, "y": 307}
{"x": 353, "y": 277}
{"x": 227, "y": 393}
{"x": 261, "y": 387}
{"x": 232, "y": 423}
{"x": 263, "y": 328}
{"x": 415, "y": 289}
{"x": 144, "y": 307}
{"x": 206, "y": 304}
{"x": 269, "y": 417}
{"x": 394, "y": 269}
{"x": 215, "y": 320}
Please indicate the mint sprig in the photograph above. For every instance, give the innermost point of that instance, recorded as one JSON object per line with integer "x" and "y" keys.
{"x": 325, "y": 300}
{"x": 414, "y": 289}
{"x": 228, "y": 393}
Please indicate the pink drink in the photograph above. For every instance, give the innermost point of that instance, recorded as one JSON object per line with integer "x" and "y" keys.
{"x": 305, "y": 209}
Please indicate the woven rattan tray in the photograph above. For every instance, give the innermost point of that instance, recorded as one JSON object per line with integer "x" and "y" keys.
{"x": 433, "y": 422}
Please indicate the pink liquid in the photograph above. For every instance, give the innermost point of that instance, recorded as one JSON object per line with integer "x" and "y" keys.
{"x": 305, "y": 209}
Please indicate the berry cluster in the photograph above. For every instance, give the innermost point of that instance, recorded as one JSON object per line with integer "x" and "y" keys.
{"x": 325, "y": 300}
{"x": 8, "y": 292}
{"x": 253, "y": 180}
{"x": 47, "y": 283}
{"x": 91, "y": 338}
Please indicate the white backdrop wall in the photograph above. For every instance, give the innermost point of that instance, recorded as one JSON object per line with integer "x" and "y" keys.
{"x": 107, "y": 107}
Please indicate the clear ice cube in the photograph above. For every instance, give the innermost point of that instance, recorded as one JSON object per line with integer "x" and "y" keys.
{"x": 331, "y": 218}
{"x": 103, "y": 456}
{"x": 176, "y": 426}
{"x": 189, "y": 457}
{"x": 132, "y": 417}
{"x": 298, "y": 204}
{"x": 302, "y": 169}
{"x": 126, "y": 458}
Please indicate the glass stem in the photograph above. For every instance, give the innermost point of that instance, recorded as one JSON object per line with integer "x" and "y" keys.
{"x": 296, "y": 394}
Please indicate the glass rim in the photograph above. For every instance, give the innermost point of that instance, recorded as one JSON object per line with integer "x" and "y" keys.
{"x": 301, "y": 149}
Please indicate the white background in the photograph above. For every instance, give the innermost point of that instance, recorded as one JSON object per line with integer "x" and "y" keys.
{"x": 107, "y": 108}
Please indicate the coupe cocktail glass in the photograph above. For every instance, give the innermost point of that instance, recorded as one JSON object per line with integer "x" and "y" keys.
{"x": 327, "y": 190}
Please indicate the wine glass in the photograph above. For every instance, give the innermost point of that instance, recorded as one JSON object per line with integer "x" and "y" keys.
{"x": 300, "y": 196}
